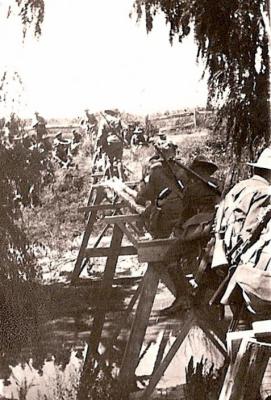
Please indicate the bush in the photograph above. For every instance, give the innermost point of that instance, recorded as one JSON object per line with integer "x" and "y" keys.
{"x": 203, "y": 382}
{"x": 23, "y": 168}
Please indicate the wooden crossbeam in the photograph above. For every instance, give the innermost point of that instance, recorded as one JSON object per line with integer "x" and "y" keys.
{"x": 101, "y": 207}
{"x": 153, "y": 250}
{"x": 156, "y": 242}
{"x": 122, "y": 218}
{"x": 106, "y": 251}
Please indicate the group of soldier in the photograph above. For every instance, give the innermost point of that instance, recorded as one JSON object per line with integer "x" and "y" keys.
{"x": 185, "y": 202}
{"x": 230, "y": 231}
{"x": 232, "y": 235}
{"x": 109, "y": 135}
{"x": 180, "y": 201}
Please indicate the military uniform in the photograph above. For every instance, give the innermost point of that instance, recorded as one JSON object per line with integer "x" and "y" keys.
{"x": 193, "y": 230}
{"x": 110, "y": 137}
{"x": 62, "y": 150}
{"x": 165, "y": 196}
{"x": 40, "y": 126}
{"x": 242, "y": 210}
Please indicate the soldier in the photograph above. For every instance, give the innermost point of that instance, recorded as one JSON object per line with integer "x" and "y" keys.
{"x": 162, "y": 191}
{"x": 138, "y": 137}
{"x": 194, "y": 226}
{"x": 62, "y": 150}
{"x": 40, "y": 126}
{"x": 110, "y": 136}
{"x": 76, "y": 140}
{"x": 90, "y": 123}
{"x": 201, "y": 199}
{"x": 244, "y": 215}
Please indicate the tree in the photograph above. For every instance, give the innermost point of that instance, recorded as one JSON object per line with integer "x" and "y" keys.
{"x": 232, "y": 39}
{"x": 31, "y": 13}
{"x": 23, "y": 172}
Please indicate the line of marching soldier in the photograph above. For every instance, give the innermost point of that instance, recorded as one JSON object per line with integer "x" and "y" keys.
{"x": 183, "y": 202}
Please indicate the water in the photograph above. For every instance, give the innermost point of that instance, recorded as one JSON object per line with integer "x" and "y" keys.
{"x": 53, "y": 368}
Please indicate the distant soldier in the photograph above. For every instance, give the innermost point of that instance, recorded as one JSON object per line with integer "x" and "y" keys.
{"x": 76, "y": 140}
{"x": 29, "y": 141}
{"x": 90, "y": 123}
{"x": 62, "y": 150}
{"x": 245, "y": 213}
{"x": 47, "y": 144}
{"x": 110, "y": 136}
{"x": 138, "y": 137}
{"x": 40, "y": 126}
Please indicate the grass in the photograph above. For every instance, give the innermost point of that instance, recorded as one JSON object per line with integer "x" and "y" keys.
{"x": 56, "y": 226}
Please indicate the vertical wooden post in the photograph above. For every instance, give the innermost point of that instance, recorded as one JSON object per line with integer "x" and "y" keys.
{"x": 245, "y": 374}
{"x": 195, "y": 118}
{"x": 91, "y": 219}
{"x": 103, "y": 303}
{"x": 140, "y": 324}
{"x": 105, "y": 292}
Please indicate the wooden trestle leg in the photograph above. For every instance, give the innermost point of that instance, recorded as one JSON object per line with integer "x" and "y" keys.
{"x": 89, "y": 227}
{"x": 103, "y": 304}
{"x": 105, "y": 292}
{"x": 140, "y": 324}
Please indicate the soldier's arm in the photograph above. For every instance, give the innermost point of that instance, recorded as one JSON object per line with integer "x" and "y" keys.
{"x": 101, "y": 134}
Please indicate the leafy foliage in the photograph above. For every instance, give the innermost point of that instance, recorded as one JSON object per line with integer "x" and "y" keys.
{"x": 22, "y": 167}
{"x": 98, "y": 385}
{"x": 31, "y": 13}
{"x": 203, "y": 382}
{"x": 232, "y": 39}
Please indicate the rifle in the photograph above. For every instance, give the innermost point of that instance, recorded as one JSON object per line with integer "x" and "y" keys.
{"x": 115, "y": 131}
{"x": 210, "y": 184}
{"x": 179, "y": 185}
{"x": 240, "y": 248}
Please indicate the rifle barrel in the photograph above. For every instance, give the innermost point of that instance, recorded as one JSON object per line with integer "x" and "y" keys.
{"x": 211, "y": 185}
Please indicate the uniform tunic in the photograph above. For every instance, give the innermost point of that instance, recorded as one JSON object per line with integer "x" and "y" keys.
{"x": 169, "y": 209}
{"x": 110, "y": 138}
{"x": 244, "y": 207}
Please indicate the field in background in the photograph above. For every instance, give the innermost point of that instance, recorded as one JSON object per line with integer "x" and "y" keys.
{"x": 57, "y": 225}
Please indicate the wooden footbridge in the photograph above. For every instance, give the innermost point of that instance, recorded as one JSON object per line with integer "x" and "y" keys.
{"x": 117, "y": 198}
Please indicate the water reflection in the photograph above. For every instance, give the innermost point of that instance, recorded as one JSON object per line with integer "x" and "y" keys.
{"x": 50, "y": 383}
{"x": 52, "y": 358}
{"x": 56, "y": 359}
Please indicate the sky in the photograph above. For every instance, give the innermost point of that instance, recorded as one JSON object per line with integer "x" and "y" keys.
{"x": 93, "y": 55}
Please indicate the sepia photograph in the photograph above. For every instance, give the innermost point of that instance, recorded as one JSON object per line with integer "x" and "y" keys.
{"x": 135, "y": 200}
